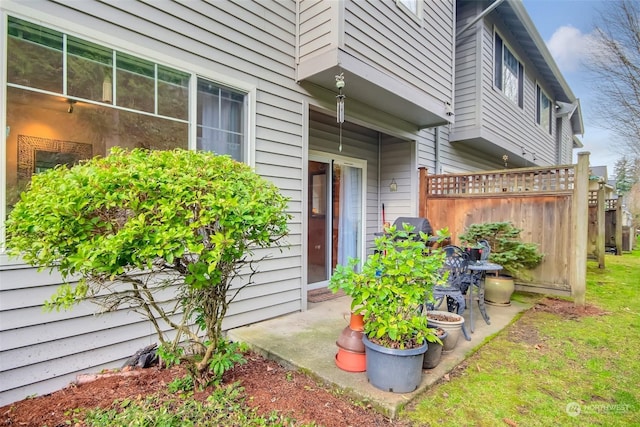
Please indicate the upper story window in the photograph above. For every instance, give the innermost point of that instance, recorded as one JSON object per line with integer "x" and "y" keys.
{"x": 413, "y": 6}
{"x": 543, "y": 109}
{"x": 69, "y": 99}
{"x": 508, "y": 72}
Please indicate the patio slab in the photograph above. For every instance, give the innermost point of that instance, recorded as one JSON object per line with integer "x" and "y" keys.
{"x": 306, "y": 341}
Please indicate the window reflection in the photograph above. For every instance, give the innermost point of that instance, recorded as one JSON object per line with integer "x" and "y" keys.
{"x": 42, "y": 133}
{"x": 135, "y": 83}
{"x": 108, "y": 99}
{"x": 89, "y": 71}
{"x": 34, "y": 56}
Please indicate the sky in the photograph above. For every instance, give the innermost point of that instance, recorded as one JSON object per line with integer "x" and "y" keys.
{"x": 566, "y": 26}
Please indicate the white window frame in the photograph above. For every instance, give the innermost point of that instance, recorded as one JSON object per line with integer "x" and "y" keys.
{"x": 413, "y": 8}
{"x": 113, "y": 42}
{"x": 499, "y": 65}
{"x": 540, "y": 95}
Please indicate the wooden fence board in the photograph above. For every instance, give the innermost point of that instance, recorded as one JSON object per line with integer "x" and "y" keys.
{"x": 540, "y": 201}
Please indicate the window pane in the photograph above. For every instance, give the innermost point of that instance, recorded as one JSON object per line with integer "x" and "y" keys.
{"x": 220, "y": 120}
{"x": 43, "y": 134}
{"x": 545, "y": 112}
{"x": 135, "y": 83}
{"x": 153, "y": 133}
{"x": 173, "y": 93}
{"x": 498, "y": 62}
{"x": 34, "y": 56}
{"x": 412, "y": 5}
{"x": 510, "y": 76}
{"x": 90, "y": 70}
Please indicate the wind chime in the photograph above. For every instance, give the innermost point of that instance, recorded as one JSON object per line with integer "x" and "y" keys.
{"x": 340, "y": 105}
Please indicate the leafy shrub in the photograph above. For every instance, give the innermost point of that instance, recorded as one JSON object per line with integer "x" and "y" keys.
{"x": 507, "y": 248}
{"x": 162, "y": 233}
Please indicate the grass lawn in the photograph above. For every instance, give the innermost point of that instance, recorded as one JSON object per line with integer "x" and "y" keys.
{"x": 549, "y": 369}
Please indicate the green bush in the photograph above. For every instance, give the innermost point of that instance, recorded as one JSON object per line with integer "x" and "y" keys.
{"x": 158, "y": 232}
{"x": 392, "y": 287}
{"x": 507, "y": 249}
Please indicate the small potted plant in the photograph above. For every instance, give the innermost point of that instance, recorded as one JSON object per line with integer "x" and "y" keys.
{"x": 507, "y": 249}
{"x": 389, "y": 291}
{"x": 474, "y": 250}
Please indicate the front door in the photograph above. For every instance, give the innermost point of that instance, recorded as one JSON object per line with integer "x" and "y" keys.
{"x": 335, "y": 215}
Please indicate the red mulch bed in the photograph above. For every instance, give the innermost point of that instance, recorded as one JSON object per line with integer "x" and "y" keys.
{"x": 268, "y": 387}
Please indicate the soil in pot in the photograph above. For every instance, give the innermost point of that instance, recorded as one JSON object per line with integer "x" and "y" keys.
{"x": 450, "y": 322}
{"x": 434, "y": 350}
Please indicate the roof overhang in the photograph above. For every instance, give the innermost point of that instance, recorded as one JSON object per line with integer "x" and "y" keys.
{"x": 574, "y": 112}
{"x": 372, "y": 87}
{"x": 515, "y": 16}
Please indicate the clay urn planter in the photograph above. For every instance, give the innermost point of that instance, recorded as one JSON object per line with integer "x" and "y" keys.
{"x": 498, "y": 290}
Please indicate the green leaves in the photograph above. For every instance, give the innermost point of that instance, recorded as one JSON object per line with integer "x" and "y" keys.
{"x": 146, "y": 220}
{"x": 507, "y": 249}
{"x": 392, "y": 286}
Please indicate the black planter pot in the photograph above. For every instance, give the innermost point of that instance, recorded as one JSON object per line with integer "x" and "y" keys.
{"x": 434, "y": 353}
{"x": 474, "y": 253}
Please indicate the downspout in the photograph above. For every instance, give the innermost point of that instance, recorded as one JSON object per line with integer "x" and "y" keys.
{"x": 379, "y": 207}
{"x": 475, "y": 20}
{"x": 437, "y": 150}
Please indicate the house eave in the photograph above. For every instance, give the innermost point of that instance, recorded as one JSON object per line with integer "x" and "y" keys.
{"x": 514, "y": 14}
{"x": 372, "y": 87}
{"x": 488, "y": 143}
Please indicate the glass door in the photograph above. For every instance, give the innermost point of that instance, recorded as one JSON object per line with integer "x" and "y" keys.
{"x": 335, "y": 218}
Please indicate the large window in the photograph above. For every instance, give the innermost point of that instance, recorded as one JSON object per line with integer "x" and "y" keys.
{"x": 69, "y": 99}
{"x": 508, "y": 72}
{"x": 543, "y": 109}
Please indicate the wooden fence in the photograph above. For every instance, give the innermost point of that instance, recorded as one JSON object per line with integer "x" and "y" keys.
{"x": 550, "y": 205}
{"x": 605, "y": 226}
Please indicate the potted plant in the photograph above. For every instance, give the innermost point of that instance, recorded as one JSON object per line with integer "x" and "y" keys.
{"x": 434, "y": 350}
{"x": 389, "y": 291}
{"x": 474, "y": 250}
{"x": 450, "y": 322}
{"x": 507, "y": 249}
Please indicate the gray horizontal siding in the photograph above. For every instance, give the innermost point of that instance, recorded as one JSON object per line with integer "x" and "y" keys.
{"x": 397, "y": 165}
{"x": 467, "y": 74}
{"x": 380, "y": 34}
{"x": 249, "y": 41}
{"x": 514, "y": 127}
{"x": 318, "y": 31}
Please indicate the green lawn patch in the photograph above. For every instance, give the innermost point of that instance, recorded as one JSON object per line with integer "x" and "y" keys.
{"x": 556, "y": 365}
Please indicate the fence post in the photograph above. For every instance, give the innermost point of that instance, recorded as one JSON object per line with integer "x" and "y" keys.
{"x": 578, "y": 252}
{"x": 422, "y": 192}
{"x": 619, "y": 225}
{"x": 600, "y": 224}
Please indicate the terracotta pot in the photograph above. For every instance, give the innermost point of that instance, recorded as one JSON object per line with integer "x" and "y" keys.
{"x": 350, "y": 340}
{"x": 498, "y": 290}
{"x": 351, "y": 361}
{"x": 356, "y": 322}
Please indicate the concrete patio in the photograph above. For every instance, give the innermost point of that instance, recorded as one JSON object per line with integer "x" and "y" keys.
{"x": 306, "y": 341}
